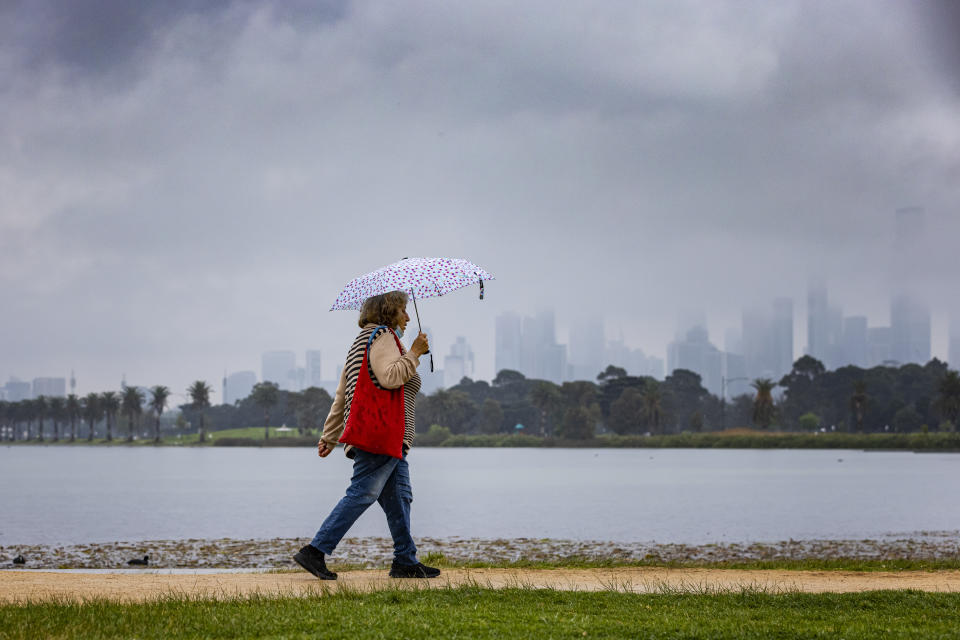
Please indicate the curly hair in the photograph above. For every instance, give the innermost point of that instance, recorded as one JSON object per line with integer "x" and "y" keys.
{"x": 383, "y": 309}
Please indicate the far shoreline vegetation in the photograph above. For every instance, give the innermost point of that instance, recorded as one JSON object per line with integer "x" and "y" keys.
{"x": 910, "y": 408}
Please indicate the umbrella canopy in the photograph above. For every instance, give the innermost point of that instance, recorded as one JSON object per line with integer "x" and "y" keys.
{"x": 420, "y": 277}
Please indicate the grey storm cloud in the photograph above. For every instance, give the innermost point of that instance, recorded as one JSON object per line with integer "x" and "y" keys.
{"x": 186, "y": 184}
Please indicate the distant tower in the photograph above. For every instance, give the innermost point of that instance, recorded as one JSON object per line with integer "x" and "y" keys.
{"x": 224, "y": 396}
{"x": 123, "y": 381}
{"x": 73, "y": 383}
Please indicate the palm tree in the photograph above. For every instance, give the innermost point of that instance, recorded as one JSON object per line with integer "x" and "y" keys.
{"x": 158, "y": 403}
{"x": 652, "y": 403}
{"x": 40, "y": 406}
{"x": 266, "y": 395}
{"x": 73, "y": 413}
{"x": 55, "y": 409}
{"x": 858, "y": 403}
{"x": 132, "y": 404}
{"x": 6, "y": 414}
{"x": 199, "y": 400}
{"x": 110, "y": 402}
{"x": 948, "y": 401}
{"x": 763, "y": 407}
{"x": 92, "y": 411}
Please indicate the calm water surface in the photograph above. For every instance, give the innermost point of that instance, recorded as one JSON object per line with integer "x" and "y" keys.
{"x": 97, "y": 494}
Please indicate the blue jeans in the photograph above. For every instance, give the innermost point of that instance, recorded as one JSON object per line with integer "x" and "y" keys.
{"x": 376, "y": 478}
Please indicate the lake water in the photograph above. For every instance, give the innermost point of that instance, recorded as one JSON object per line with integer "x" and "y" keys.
{"x": 97, "y": 494}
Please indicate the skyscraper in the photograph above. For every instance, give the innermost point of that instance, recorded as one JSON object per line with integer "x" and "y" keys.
{"x": 314, "y": 372}
{"x": 50, "y": 387}
{"x": 587, "y": 349}
{"x": 280, "y": 368}
{"x": 953, "y": 354}
{"x": 507, "y": 342}
{"x": 910, "y": 329}
{"x": 238, "y": 386}
{"x": 781, "y": 334}
{"x": 854, "y": 343}
{"x": 818, "y": 321}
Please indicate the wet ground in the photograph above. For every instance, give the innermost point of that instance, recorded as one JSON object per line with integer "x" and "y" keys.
{"x": 377, "y": 552}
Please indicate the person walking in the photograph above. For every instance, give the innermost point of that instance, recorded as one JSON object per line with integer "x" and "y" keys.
{"x": 377, "y": 477}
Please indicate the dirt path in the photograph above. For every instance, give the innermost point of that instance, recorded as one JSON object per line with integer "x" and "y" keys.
{"x": 20, "y": 586}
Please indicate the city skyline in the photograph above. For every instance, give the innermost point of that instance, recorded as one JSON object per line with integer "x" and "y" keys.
{"x": 183, "y": 186}
{"x": 837, "y": 340}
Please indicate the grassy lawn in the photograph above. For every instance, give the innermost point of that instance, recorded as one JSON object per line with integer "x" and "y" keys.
{"x": 472, "y": 612}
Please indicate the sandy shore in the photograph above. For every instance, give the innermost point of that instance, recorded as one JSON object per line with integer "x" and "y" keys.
{"x": 276, "y": 553}
{"x": 33, "y": 586}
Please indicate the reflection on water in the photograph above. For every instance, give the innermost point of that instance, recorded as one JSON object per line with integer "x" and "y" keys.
{"x": 85, "y": 494}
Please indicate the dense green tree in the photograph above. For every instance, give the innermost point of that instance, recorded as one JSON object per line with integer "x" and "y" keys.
{"x": 450, "y": 408}
{"x": 199, "y": 393}
{"x": 907, "y": 419}
{"x": 266, "y": 395}
{"x": 310, "y": 408}
{"x": 948, "y": 399}
{"x": 683, "y": 396}
{"x": 652, "y": 409}
{"x": 73, "y": 414}
{"x": 132, "y": 406}
{"x": 626, "y": 412}
{"x": 545, "y": 396}
{"x": 611, "y": 372}
{"x": 490, "y": 417}
{"x": 809, "y": 422}
{"x": 578, "y": 423}
{"x": 159, "y": 395}
{"x": 508, "y": 376}
{"x": 763, "y": 407}
{"x": 858, "y": 403}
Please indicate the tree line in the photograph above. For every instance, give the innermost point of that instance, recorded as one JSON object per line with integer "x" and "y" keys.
{"x": 901, "y": 399}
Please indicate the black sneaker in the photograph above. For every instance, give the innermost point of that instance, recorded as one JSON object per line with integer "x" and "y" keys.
{"x": 311, "y": 559}
{"x": 418, "y": 570}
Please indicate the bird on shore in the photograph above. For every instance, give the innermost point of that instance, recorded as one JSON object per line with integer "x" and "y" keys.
{"x": 138, "y": 562}
{"x": 19, "y": 560}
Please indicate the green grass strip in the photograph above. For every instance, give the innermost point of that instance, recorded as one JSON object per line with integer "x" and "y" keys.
{"x": 473, "y": 612}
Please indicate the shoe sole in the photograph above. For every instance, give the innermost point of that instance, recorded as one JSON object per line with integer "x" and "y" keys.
{"x": 308, "y": 568}
{"x": 415, "y": 577}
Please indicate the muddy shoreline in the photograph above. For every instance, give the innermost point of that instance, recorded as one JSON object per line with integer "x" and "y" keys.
{"x": 377, "y": 552}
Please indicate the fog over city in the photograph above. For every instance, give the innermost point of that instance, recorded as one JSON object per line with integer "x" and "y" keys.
{"x": 186, "y": 185}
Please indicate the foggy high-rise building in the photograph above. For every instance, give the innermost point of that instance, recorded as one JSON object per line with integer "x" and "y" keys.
{"x": 695, "y": 353}
{"x": 953, "y": 353}
{"x": 458, "y": 364}
{"x": 910, "y": 329}
{"x": 280, "y": 367}
{"x": 314, "y": 372}
{"x": 238, "y": 386}
{"x": 782, "y": 337}
{"x": 587, "y": 346}
{"x": 507, "y": 342}
{"x": 17, "y": 390}
{"x": 879, "y": 346}
{"x": 854, "y": 342}
{"x": 50, "y": 387}
{"x": 818, "y": 321}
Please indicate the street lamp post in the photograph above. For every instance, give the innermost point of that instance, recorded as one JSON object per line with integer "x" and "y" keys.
{"x": 723, "y": 398}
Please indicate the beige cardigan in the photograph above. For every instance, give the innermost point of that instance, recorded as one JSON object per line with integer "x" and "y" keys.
{"x": 392, "y": 371}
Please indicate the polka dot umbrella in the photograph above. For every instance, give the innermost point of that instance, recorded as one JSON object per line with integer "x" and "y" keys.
{"x": 420, "y": 277}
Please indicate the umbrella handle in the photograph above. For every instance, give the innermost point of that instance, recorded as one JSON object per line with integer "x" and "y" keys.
{"x": 419, "y": 327}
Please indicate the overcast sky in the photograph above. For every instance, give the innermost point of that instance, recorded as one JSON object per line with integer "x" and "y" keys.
{"x": 186, "y": 184}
